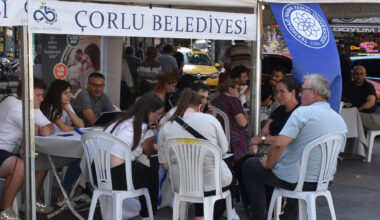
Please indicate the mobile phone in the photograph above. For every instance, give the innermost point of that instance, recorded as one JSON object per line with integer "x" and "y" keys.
{"x": 206, "y": 109}
{"x": 64, "y": 135}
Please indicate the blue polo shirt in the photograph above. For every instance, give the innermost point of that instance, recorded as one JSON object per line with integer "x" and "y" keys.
{"x": 306, "y": 124}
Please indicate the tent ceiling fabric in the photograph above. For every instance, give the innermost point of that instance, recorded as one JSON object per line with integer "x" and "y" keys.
{"x": 320, "y": 1}
{"x": 190, "y": 3}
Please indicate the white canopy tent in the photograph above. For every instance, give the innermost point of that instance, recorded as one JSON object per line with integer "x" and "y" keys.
{"x": 331, "y": 7}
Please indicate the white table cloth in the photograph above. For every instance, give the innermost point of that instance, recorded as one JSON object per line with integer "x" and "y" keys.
{"x": 61, "y": 145}
{"x": 355, "y": 129}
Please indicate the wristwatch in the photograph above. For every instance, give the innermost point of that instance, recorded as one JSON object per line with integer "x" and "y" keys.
{"x": 263, "y": 138}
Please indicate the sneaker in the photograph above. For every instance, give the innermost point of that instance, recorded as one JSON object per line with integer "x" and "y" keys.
{"x": 8, "y": 214}
{"x": 198, "y": 218}
{"x": 234, "y": 214}
{"x": 43, "y": 208}
{"x": 60, "y": 204}
{"x": 81, "y": 200}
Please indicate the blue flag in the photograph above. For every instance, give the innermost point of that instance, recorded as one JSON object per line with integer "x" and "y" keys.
{"x": 311, "y": 44}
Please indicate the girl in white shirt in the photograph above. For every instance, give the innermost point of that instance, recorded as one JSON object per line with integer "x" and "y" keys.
{"x": 134, "y": 127}
{"x": 56, "y": 107}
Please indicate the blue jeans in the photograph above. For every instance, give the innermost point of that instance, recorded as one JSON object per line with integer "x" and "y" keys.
{"x": 71, "y": 175}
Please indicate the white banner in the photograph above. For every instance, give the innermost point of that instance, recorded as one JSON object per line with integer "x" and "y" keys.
{"x": 13, "y": 12}
{"x": 58, "y": 17}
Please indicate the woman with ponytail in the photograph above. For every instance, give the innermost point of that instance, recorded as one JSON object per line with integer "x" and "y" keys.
{"x": 188, "y": 109}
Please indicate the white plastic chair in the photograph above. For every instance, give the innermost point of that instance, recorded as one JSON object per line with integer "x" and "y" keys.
{"x": 371, "y": 134}
{"x": 190, "y": 153}
{"x": 331, "y": 146}
{"x": 99, "y": 143}
{"x": 217, "y": 111}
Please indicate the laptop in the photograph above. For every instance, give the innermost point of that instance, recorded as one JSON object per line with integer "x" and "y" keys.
{"x": 105, "y": 118}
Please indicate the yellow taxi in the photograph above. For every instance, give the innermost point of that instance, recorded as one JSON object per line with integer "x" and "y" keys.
{"x": 199, "y": 64}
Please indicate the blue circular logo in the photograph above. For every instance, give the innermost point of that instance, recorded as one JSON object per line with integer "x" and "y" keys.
{"x": 73, "y": 40}
{"x": 305, "y": 25}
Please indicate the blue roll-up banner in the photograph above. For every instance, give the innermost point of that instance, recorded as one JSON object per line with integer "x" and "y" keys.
{"x": 311, "y": 44}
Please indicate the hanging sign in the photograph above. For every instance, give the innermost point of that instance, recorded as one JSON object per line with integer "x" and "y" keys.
{"x": 58, "y": 17}
{"x": 13, "y": 12}
{"x": 311, "y": 44}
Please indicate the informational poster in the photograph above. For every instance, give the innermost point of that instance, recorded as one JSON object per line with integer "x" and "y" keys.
{"x": 70, "y": 57}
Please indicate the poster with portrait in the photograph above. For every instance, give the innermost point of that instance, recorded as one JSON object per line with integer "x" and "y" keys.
{"x": 70, "y": 57}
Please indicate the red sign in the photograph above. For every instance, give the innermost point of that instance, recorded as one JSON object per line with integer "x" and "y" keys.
{"x": 60, "y": 71}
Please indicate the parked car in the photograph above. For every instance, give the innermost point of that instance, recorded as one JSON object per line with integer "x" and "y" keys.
{"x": 198, "y": 64}
{"x": 372, "y": 65}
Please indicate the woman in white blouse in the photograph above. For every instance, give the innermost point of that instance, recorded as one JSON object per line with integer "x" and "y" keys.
{"x": 134, "y": 127}
{"x": 56, "y": 107}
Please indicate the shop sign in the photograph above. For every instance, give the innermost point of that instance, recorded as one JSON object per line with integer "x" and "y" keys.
{"x": 356, "y": 29}
{"x": 56, "y": 17}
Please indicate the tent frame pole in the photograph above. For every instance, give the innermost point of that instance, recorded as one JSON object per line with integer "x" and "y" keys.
{"x": 255, "y": 76}
{"x": 28, "y": 124}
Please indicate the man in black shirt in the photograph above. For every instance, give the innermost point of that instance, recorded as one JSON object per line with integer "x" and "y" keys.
{"x": 362, "y": 94}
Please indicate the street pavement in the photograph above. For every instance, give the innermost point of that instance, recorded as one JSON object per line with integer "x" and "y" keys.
{"x": 355, "y": 192}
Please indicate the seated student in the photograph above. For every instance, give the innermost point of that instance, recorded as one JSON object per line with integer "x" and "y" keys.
{"x": 188, "y": 109}
{"x": 165, "y": 85}
{"x": 286, "y": 93}
{"x": 58, "y": 110}
{"x": 91, "y": 102}
{"x": 133, "y": 127}
{"x": 11, "y": 135}
{"x": 201, "y": 89}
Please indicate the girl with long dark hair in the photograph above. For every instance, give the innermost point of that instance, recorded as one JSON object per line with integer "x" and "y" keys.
{"x": 56, "y": 106}
{"x": 134, "y": 127}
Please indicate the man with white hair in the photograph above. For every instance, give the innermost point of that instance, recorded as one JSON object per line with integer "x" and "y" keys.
{"x": 281, "y": 166}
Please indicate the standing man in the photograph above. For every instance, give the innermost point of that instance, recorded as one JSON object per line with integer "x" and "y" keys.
{"x": 91, "y": 102}
{"x": 281, "y": 166}
{"x": 11, "y": 136}
{"x": 168, "y": 62}
{"x": 362, "y": 95}
{"x": 239, "y": 54}
{"x": 133, "y": 63}
{"x": 140, "y": 51}
{"x": 345, "y": 65}
{"x": 180, "y": 60}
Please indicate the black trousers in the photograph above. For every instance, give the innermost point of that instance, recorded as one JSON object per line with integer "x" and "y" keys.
{"x": 255, "y": 178}
{"x": 142, "y": 176}
{"x": 259, "y": 184}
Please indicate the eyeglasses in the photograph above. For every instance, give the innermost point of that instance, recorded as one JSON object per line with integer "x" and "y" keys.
{"x": 97, "y": 85}
{"x": 304, "y": 89}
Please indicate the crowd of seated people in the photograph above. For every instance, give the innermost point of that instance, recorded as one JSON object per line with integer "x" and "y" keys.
{"x": 154, "y": 80}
